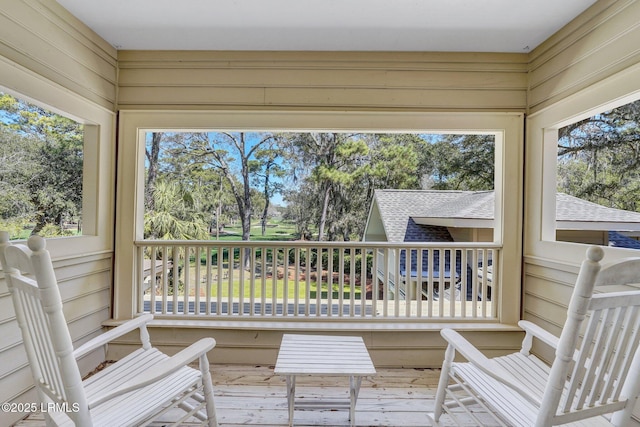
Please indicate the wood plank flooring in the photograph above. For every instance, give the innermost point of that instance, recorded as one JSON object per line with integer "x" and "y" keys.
{"x": 255, "y": 396}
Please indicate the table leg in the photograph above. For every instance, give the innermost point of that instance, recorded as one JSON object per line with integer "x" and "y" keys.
{"x": 291, "y": 396}
{"x": 354, "y": 390}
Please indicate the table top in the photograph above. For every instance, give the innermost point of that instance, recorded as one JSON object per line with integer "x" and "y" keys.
{"x": 323, "y": 355}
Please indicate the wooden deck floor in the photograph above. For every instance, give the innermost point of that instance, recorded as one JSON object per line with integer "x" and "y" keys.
{"x": 255, "y": 396}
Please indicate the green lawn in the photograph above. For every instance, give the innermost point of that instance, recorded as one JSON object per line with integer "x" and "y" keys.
{"x": 277, "y": 230}
{"x": 268, "y": 287}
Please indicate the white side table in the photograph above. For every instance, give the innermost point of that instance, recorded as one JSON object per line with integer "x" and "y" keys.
{"x": 323, "y": 356}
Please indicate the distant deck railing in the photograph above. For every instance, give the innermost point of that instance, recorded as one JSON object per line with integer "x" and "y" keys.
{"x": 318, "y": 280}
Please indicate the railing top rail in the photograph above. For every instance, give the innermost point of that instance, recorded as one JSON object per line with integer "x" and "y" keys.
{"x": 316, "y": 244}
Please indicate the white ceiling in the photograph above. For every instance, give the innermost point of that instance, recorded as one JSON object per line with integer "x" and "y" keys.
{"x": 346, "y": 25}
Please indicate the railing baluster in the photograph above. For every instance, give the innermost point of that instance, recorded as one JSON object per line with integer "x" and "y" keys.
{"x": 220, "y": 261}
{"x": 318, "y": 267}
{"x": 464, "y": 281}
{"x": 274, "y": 281}
{"x": 230, "y": 272}
{"x": 252, "y": 282}
{"x": 385, "y": 284}
{"x": 352, "y": 282}
{"x": 453, "y": 271}
{"x": 296, "y": 283}
{"x": 474, "y": 285}
{"x": 363, "y": 281}
{"x": 285, "y": 282}
{"x": 241, "y": 270}
{"x": 196, "y": 285}
{"x": 307, "y": 277}
{"x": 340, "y": 281}
{"x": 208, "y": 281}
{"x": 263, "y": 280}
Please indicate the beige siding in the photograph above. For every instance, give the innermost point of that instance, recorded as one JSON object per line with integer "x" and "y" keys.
{"x": 45, "y": 39}
{"x": 601, "y": 42}
{"x": 388, "y": 348}
{"x": 438, "y": 81}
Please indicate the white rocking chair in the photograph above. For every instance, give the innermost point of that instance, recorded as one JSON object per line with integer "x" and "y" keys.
{"x": 596, "y": 370}
{"x": 133, "y": 391}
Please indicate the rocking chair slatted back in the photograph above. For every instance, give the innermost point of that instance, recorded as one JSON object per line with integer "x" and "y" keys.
{"x": 39, "y": 314}
{"x": 608, "y": 354}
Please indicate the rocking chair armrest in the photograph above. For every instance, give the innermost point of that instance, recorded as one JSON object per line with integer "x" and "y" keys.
{"x": 159, "y": 371}
{"x": 485, "y": 364}
{"x": 112, "y": 334}
{"x": 536, "y": 331}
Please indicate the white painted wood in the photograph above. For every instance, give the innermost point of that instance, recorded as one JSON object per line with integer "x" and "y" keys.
{"x": 324, "y": 356}
{"x": 403, "y": 296}
{"x": 132, "y": 391}
{"x": 595, "y": 372}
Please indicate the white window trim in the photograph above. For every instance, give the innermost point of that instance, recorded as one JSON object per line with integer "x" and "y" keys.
{"x": 541, "y": 154}
{"x": 508, "y": 128}
{"x": 98, "y": 156}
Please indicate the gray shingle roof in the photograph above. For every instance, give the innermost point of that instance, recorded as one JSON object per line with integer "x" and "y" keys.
{"x": 570, "y": 208}
{"x": 398, "y": 208}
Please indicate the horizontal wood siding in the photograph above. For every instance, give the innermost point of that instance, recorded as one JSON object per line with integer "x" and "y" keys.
{"x": 47, "y": 40}
{"x": 388, "y": 348}
{"x": 358, "y": 80}
{"x": 85, "y": 287}
{"x": 599, "y": 43}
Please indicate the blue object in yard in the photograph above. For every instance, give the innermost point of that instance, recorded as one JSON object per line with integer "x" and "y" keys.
{"x": 423, "y": 273}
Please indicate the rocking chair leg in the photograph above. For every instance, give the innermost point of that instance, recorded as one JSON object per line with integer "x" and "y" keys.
{"x": 443, "y": 383}
{"x": 208, "y": 390}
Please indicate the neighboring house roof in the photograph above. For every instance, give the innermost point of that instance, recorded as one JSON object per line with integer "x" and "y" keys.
{"x": 424, "y": 215}
{"x": 575, "y": 213}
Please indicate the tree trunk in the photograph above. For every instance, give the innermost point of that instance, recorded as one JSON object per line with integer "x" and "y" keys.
{"x": 152, "y": 173}
{"x": 323, "y": 215}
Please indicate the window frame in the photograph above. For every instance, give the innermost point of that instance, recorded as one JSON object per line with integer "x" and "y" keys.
{"x": 98, "y": 156}
{"x": 541, "y": 177}
{"x": 133, "y": 125}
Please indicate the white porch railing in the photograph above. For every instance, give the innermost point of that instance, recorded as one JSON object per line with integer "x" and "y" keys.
{"x": 342, "y": 280}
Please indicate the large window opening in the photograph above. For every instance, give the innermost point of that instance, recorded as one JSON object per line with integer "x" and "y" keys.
{"x": 323, "y": 186}
{"x": 598, "y": 179}
{"x": 41, "y": 162}
{"x": 346, "y": 258}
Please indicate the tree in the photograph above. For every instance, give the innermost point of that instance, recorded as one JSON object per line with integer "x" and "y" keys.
{"x": 599, "y": 158}
{"x": 152, "y": 154}
{"x": 212, "y": 149}
{"x": 267, "y": 174}
{"x": 51, "y": 157}
{"x": 333, "y": 161}
{"x": 176, "y": 216}
{"x": 460, "y": 162}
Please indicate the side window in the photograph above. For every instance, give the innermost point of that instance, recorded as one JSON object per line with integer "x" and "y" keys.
{"x": 598, "y": 179}
{"x": 41, "y": 170}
